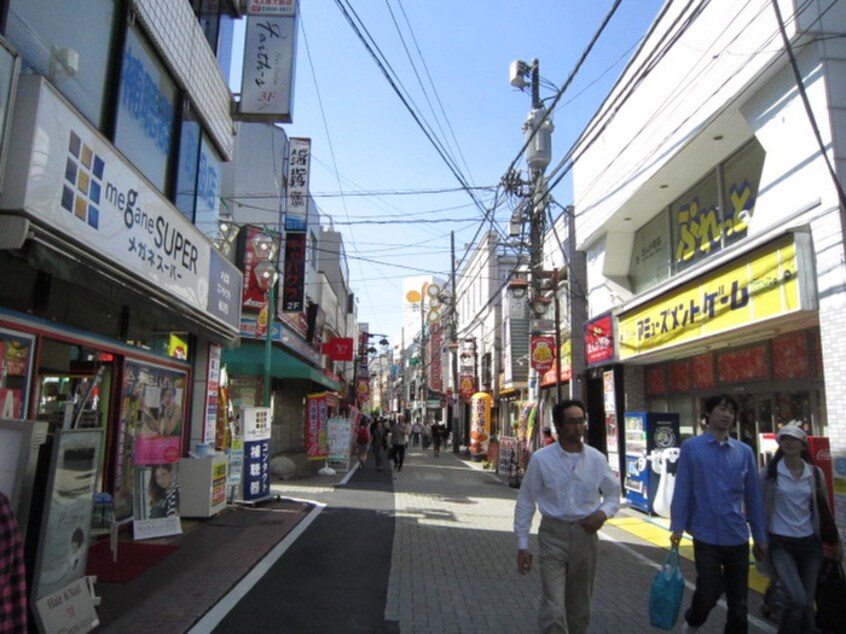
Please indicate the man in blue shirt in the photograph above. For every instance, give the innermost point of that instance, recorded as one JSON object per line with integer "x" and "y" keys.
{"x": 717, "y": 493}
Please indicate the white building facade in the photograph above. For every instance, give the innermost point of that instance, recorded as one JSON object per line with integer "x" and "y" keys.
{"x": 709, "y": 202}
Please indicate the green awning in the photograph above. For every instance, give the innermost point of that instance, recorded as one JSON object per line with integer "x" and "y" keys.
{"x": 249, "y": 359}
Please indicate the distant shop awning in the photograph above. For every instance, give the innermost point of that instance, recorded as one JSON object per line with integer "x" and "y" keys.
{"x": 249, "y": 359}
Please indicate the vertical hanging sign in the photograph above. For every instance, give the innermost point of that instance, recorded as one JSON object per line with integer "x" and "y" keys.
{"x": 293, "y": 293}
{"x": 296, "y": 207}
{"x": 268, "y": 70}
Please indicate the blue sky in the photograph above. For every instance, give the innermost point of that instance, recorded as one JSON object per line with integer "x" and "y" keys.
{"x": 376, "y": 175}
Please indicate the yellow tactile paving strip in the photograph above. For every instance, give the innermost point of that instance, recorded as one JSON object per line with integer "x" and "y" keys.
{"x": 656, "y": 531}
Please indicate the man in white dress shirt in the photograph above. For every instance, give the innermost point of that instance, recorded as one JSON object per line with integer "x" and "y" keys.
{"x": 575, "y": 490}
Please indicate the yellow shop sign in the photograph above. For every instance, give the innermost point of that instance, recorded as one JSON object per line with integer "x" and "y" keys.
{"x": 769, "y": 283}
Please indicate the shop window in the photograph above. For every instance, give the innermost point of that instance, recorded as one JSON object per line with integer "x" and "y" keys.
{"x": 793, "y": 407}
{"x": 703, "y": 371}
{"x": 791, "y": 358}
{"x": 711, "y": 215}
{"x": 650, "y": 263}
{"x": 679, "y": 372}
{"x": 74, "y": 385}
{"x": 747, "y": 364}
{"x": 216, "y": 18}
{"x": 199, "y": 177}
{"x": 207, "y": 213}
{"x": 695, "y": 224}
{"x": 487, "y": 371}
{"x": 70, "y": 43}
{"x": 189, "y": 162}
{"x": 741, "y": 177}
{"x": 655, "y": 380}
{"x": 688, "y": 417}
{"x": 146, "y": 112}
{"x": 15, "y": 371}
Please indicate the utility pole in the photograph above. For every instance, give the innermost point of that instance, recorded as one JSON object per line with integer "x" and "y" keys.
{"x": 458, "y": 428}
{"x": 538, "y": 136}
{"x": 423, "y": 392}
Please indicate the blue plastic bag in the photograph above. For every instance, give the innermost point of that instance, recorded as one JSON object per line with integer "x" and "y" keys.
{"x": 667, "y": 591}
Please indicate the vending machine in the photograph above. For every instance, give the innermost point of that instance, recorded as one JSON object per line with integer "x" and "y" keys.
{"x": 651, "y": 446}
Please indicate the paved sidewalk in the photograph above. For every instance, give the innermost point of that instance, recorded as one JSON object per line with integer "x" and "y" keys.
{"x": 454, "y": 559}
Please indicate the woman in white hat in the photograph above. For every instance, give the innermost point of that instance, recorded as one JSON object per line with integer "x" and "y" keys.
{"x": 794, "y": 492}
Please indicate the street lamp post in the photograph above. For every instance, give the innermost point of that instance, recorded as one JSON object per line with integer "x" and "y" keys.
{"x": 266, "y": 272}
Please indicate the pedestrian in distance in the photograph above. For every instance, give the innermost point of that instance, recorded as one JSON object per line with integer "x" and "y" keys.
{"x": 379, "y": 443}
{"x": 427, "y": 435}
{"x": 573, "y": 487}
{"x": 795, "y": 500}
{"x": 362, "y": 442}
{"x": 438, "y": 437}
{"x": 547, "y": 437}
{"x": 399, "y": 438}
{"x": 717, "y": 499}
{"x": 416, "y": 430}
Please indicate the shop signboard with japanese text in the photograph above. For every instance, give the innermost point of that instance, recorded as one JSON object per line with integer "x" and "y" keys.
{"x": 255, "y": 422}
{"x": 771, "y": 282}
{"x": 299, "y": 163}
{"x": 75, "y": 185}
{"x": 293, "y": 277}
{"x": 316, "y": 434}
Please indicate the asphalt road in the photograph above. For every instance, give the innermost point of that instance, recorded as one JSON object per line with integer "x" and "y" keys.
{"x": 334, "y": 578}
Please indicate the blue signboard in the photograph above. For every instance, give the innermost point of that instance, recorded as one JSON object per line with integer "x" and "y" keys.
{"x": 256, "y": 476}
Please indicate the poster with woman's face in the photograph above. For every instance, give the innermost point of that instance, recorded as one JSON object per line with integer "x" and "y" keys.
{"x": 156, "y": 500}
{"x": 150, "y": 426}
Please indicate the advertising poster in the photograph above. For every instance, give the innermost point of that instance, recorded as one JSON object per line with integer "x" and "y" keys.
{"x": 156, "y": 501}
{"x": 480, "y": 423}
{"x": 599, "y": 341}
{"x": 69, "y": 502}
{"x": 316, "y": 436}
{"x": 340, "y": 441}
{"x": 149, "y": 426}
{"x": 507, "y": 454}
{"x": 542, "y": 352}
{"x": 236, "y": 462}
{"x": 212, "y": 395}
